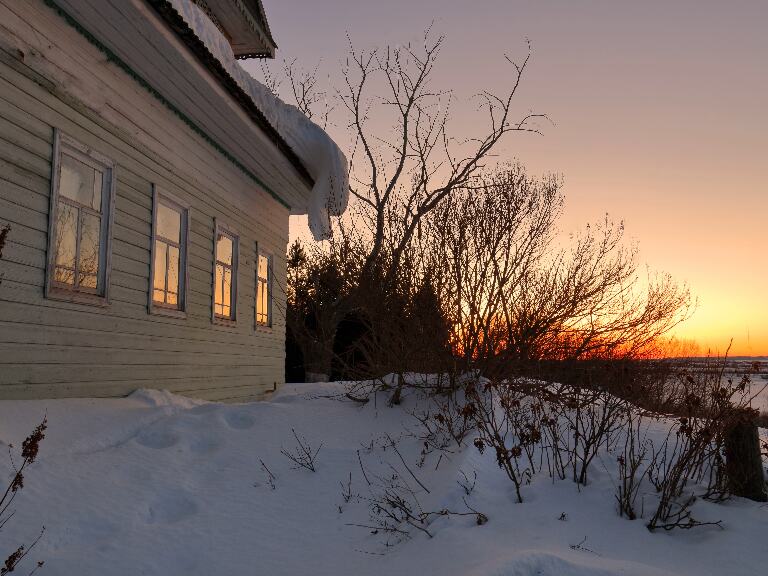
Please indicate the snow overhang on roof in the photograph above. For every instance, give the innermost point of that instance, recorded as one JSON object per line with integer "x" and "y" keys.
{"x": 244, "y": 24}
{"x": 318, "y": 153}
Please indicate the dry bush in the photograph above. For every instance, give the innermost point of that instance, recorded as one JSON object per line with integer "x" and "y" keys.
{"x": 302, "y": 454}
{"x": 634, "y": 462}
{"x": 394, "y": 503}
{"x": 704, "y": 409}
{"x": 595, "y": 417}
{"x": 508, "y": 422}
{"x": 3, "y": 237}
{"x": 534, "y": 427}
{"x": 29, "y": 451}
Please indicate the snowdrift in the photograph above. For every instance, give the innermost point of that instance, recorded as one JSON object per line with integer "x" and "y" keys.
{"x": 159, "y": 484}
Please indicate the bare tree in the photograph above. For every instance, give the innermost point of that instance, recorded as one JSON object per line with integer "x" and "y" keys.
{"x": 410, "y": 173}
{"x": 516, "y": 296}
{"x": 487, "y": 240}
{"x": 398, "y": 179}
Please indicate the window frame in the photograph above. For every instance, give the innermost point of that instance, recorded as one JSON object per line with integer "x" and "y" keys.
{"x": 64, "y": 144}
{"x": 269, "y": 282}
{"x": 220, "y": 227}
{"x": 160, "y": 195}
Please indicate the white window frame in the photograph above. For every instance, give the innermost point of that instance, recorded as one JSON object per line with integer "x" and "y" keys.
{"x": 269, "y": 282}
{"x": 57, "y": 291}
{"x": 158, "y": 196}
{"x": 222, "y": 228}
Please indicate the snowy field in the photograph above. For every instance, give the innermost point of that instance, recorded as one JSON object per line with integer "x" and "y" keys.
{"x": 159, "y": 484}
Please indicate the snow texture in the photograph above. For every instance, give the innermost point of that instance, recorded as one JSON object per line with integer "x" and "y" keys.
{"x": 321, "y": 156}
{"x": 157, "y": 484}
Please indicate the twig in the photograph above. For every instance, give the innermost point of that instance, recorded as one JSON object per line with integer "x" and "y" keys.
{"x": 580, "y": 546}
{"x": 362, "y": 468}
{"x": 394, "y": 447}
{"x": 303, "y": 455}
{"x": 270, "y": 477}
{"x": 346, "y": 491}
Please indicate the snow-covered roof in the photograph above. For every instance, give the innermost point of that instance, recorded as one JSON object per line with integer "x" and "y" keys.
{"x": 319, "y": 154}
{"x": 245, "y": 25}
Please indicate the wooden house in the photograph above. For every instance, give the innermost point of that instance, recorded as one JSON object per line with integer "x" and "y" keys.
{"x": 147, "y": 188}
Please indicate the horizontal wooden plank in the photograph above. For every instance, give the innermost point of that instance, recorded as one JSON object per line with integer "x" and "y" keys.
{"x": 222, "y": 388}
{"x": 47, "y": 313}
{"x": 42, "y": 355}
{"x": 260, "y": 343}
{"x": 53, "y": 373}
{"x": 23, "y": 178}
{"x": 24, "y": 197}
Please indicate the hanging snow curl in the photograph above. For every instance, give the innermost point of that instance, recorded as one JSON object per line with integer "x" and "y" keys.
{"x": 322, "y": 157}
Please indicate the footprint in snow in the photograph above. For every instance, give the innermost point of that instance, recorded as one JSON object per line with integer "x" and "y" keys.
{"x": 239, "y": 420}
{"x": 157, "y": 438}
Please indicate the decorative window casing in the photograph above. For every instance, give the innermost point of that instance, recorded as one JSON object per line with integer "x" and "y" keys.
{"x": 170, "y": 240}
{"x": 263, "y": 307}
{"x": 225, "y": 262}
{"x": 80, "y": 223}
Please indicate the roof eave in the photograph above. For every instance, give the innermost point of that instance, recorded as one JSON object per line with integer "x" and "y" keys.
{"x": 177, "y": 23}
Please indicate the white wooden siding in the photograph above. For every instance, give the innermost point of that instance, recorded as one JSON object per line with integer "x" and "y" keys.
{"x": 50, "y": 348}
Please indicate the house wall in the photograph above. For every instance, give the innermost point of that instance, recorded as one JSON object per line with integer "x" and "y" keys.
{"x": 52, "y": 77}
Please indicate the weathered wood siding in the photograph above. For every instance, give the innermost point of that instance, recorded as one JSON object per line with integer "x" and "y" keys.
{"x": 50, "y": 348}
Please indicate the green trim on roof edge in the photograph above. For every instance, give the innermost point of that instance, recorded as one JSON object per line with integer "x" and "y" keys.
{"x": 115, "y": 59}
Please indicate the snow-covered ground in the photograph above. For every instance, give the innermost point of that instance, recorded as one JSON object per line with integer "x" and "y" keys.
{"x": 158, "y": 484}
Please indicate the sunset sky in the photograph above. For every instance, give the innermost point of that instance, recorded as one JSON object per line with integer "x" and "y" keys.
{"x": 660, "y": 112}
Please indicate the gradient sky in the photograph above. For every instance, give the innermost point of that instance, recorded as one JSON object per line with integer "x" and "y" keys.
{"x": 661, "y": 119}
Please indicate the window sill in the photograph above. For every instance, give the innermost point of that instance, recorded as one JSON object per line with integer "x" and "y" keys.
{"x": 222, "y": 321}
{"x": 75, "y": 297}
{"x": 263, "y": 328}
{"x": 157, "y": 310}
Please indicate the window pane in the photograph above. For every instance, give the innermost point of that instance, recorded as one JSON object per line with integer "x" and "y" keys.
{"x": 158, "y": 294}
{"x": 223, "y": 291}
{"x": 262, "y": 291}
{"x": 218, "y": 290}
{"x": 262, "y": 312}
{"x": 259, "y": 307}
{"x": 227, "y": 288}
{"x": 90, "y": 234}
{"x": 265, "y": 303}
{"x": 173, "y": 274}
{"x": 80, "y": 182}
{"x": 65, "y": 243}
{"x": 263, "y": 266}
{"x": 168, "y": 223}
{"x": 224, "y": 249}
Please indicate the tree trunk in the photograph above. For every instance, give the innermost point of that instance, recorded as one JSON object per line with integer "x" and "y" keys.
{"x": 743, "y": 462}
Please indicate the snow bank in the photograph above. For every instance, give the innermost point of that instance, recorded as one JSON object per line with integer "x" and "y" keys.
{"x": 322, "y": 157}
{"x": 157, "y": 484}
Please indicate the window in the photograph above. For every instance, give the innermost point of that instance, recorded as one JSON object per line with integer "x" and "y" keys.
{"x": 81, "y": 200}
{"x": 264, "y": 290}
{"x": 170, "y": 222}
{"x": 225, "y": 275}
